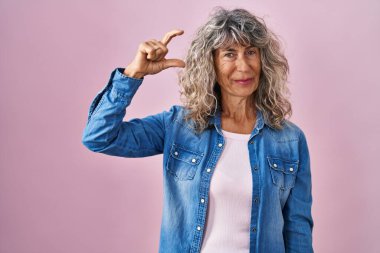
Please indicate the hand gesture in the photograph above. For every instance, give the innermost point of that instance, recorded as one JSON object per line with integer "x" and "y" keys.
{"x": 150, "y": 57}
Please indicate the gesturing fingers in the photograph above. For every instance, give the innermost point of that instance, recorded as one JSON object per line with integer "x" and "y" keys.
{"x": 166, "y": 39}
{"x": 161, "y": 51}
{"x": 173, "y": 63}
{"x": 150, "y": 58}
{"x": 153, "y": 49}
{"x": 150, "y": 50}
{"x": 157, "y": 50}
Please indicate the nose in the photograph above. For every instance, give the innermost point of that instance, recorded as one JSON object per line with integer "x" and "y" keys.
{"x": 242, "y": 64}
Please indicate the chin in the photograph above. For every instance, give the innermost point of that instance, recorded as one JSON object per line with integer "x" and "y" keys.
{"x": 244, "y": 94}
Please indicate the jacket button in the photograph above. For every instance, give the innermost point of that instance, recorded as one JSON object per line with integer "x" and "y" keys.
{"x": 254, "y": 229}
{"x": 256, "y": 200}
{"x": 251, "y": 142}
{"x": 198, "y": 228}
{"x": 208, "y": 170}
{"x": 202, "y": 200}
{"x": 193, "y": 160}
{"x": 275, "y": 165}
{"x": 176, "y": 153}
{"x": 220, "y": 145}
{"x": 291, "y": 169}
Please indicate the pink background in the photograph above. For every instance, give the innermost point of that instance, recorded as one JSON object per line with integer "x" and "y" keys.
{"x": 57, "y": 196}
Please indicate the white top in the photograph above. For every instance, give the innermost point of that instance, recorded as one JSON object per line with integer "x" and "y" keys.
{"x": 230, "y": 199}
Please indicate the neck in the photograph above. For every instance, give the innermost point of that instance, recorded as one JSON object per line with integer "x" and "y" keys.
{"x": 238, "y": 115}
{"x": 239, "y": 109}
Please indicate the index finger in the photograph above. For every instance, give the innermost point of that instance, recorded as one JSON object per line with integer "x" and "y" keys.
{"x": 171, "y": 35}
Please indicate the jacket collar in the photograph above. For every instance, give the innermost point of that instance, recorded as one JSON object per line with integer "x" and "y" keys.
{"x": 216, "y": 121}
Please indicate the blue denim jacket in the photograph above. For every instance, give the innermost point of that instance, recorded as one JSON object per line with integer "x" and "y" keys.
{"x": 281, "y": 219}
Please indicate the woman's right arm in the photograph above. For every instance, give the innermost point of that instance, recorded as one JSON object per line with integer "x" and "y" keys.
{"x": 105, "y": 131}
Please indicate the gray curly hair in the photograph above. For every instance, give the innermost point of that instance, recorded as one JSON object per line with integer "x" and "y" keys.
{"x": 199, "y": 90}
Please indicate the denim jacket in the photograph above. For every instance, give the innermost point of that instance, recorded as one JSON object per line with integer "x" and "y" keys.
{"x": 281, "y": 219}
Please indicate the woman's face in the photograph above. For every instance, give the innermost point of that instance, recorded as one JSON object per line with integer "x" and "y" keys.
{"x": 237, "y": 70}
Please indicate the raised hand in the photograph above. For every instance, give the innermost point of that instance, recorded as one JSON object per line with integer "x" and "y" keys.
{"x": 150, "y": 57}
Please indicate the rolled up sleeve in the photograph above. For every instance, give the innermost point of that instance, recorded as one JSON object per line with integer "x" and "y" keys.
{"x": 107, "y": 133}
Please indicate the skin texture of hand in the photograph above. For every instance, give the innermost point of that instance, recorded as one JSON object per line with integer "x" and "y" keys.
{"x": 150, "y": 57}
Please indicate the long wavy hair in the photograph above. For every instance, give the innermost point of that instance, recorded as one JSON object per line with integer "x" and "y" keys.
{"x": 200, "y": 92}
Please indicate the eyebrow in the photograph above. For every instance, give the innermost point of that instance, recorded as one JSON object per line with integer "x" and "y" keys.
{"x": 230, "y": 49}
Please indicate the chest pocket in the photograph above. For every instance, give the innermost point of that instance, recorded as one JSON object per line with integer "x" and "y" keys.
{"x": 283, "y": 172}
{"x": 183, "y": 163}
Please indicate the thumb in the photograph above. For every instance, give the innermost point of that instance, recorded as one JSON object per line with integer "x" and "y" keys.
{"x": 174, "y": 63}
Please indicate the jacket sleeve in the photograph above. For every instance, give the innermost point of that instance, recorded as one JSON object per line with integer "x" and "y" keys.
{"x": 298, "y": 221}
{"x": 107, "y": 133}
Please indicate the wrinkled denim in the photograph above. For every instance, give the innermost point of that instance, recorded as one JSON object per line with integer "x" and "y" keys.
{"x": 281, "y": 219}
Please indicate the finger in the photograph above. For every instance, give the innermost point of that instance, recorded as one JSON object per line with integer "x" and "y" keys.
{"x": 171, "y": 35}
{"x": 145, "y": 51}
{"x": 169, "y": 63}
{"x": 151, "y": 50}
{"x": 161, "y": 51}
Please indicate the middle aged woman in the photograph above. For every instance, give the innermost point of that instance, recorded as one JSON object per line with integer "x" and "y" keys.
{"x": 236, "y": 172}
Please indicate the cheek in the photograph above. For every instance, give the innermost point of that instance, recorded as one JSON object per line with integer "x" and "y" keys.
{"x": 257, "y": 69}
{"x": 218, "y": 75}
{"x": 225, "y": 71}
{"x": 259, "y": 65}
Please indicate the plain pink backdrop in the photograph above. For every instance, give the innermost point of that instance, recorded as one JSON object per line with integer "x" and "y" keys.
{"x": 57, "y": 196}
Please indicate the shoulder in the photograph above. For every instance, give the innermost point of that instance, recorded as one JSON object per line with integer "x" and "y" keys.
{"x": 293, "y": 127}
{"x": 176, "y": 113}
{"x": 289, "y": 132}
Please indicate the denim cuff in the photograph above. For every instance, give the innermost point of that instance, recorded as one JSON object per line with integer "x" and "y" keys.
{"x": 124, "y": 86}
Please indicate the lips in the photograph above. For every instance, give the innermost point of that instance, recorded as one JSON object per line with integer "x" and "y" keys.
{"x": 244, "y": 81}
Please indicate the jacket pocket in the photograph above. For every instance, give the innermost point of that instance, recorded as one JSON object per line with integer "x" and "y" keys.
{"x": 283, "y": 172}
{"x": 182, "y": 162}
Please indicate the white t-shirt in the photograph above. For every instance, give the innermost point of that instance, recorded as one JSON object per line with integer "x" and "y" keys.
{"x": 230, "y": 199}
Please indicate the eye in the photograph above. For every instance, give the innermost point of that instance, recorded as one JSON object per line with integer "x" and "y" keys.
{"x": 251, "y": 52}
{"x": 229, "y": 55}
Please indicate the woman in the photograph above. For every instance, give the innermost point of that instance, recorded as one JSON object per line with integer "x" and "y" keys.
{"x": 236, "y": 172}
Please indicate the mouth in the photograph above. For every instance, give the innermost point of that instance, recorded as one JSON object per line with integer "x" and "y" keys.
{"x": 244, "y": 81}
